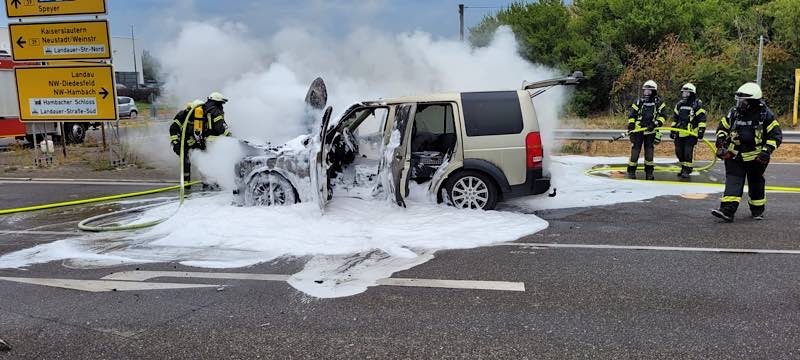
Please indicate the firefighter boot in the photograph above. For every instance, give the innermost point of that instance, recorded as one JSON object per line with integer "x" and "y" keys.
{"x": 631, "y": 172}
{"x": 722, "y": 215}
{"x": 648, "y": 172}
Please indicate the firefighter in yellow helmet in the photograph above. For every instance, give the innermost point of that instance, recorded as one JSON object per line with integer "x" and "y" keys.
{"x": 689, "y": 114}
{"x": 746, "y": 138}
{"x": 648, "y": 113}
{"x": 213, "y": 115}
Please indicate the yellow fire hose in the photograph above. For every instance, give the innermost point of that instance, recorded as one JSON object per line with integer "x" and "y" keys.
{"x": 84, "y": 225}
{"x": 673, "y": 168}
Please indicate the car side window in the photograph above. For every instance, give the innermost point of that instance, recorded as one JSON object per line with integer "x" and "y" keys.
{"x": 492, "y": 113}
{"x": 369, "y": 132}
{"x": 434, "y": 128}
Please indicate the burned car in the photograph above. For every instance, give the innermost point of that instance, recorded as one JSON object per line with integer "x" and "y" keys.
{"x": 473, "y": 149}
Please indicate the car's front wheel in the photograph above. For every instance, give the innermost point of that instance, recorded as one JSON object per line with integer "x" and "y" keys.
{"x": 471, "y": 190}
{"x": 133, "y": 114}
{"x": 269, "y": 189}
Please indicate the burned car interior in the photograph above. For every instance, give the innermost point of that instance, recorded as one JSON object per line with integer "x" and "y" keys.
{"x": 356, "y": 146}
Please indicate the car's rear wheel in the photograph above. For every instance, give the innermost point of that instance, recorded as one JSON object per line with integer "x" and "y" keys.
{"x": 269, "y": 189}
{"x": 471, "y": 190}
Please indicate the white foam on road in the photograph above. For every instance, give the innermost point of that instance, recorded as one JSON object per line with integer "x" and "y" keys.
{"x": 352, "y": 246}
{"x": 575, "y": 189}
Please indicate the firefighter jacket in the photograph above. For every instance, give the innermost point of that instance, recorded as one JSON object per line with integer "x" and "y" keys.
{"x": 181, "y": 120}
{"x": 748, "y": 133}
{"x": 689, "y": 114}
{"x": 646, "y": 113}
{"x": 214, "y": 121}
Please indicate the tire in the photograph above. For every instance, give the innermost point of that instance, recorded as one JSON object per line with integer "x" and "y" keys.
{"x": 133, "y": 115}
{"x": 76, "y": 133}
{"x": 269, "y": 189}
{"x": 471, "y": 190}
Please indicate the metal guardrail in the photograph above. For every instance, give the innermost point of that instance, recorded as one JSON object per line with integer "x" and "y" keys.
{"x": 789, "y": 137}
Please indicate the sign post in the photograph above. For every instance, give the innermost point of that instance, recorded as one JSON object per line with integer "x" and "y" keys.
{"x": 66, "y": 93}
{"x": 796, "y": 95}
{"x": 69, "y": 40}
{"x": 35, "y": 8}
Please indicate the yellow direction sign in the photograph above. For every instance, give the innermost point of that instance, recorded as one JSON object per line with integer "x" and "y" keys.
{"x": 70, "y": 40}
{"x": 60, "y": 93}
{"x": 30, "y": 8}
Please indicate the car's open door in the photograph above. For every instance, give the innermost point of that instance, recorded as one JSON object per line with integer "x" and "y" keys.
{"x": 398, "y": 152}
{"x": 319, "y": 166}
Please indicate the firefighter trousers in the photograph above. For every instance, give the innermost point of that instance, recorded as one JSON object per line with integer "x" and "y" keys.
{"x": 684, "y": 150}
{"x": 736, "y": 173}
{"x": 638, "y": 141}
{"x": 187, "y": 167}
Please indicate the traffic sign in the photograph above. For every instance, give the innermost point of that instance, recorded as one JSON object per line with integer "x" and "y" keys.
{"x": 70, "y": 40}
{"x": 61, "y": 93}
{"x": 31, "y": 8}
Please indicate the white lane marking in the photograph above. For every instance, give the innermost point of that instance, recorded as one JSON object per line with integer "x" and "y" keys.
{"x": 428, "y": 283}
{"x": 103, "y": 285}
{"x": 115, "y": 183}
{"x": 147, "y": 275}
{"x": 651, "y": 248}
{"x": 37, "y": 232}
{"x": 455, "y": 284}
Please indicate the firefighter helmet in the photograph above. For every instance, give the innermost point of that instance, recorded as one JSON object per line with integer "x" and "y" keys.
{"x": 216, "y": 96}
{"x": 689, "y": 87}
{"x": 650, "y": 85}
{"x": 749, "y": 91}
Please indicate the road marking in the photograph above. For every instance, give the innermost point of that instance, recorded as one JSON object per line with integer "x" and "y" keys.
{"x": 147, "y": 275}
{"x": 427, "y": 283}
{"x": 81, "y": 182}
{"x": 651, "y": 248}
{"x": 455, "y": 284}
{"x": 37, "y": 232}
{"x": 103, "y": 285}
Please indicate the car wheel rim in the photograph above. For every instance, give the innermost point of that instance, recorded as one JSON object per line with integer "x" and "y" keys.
{"x": 77, "y": 132}
{"x": 470, "y": 192}
{"x": 134, "y": 114}
{"x": 269, "y": 193}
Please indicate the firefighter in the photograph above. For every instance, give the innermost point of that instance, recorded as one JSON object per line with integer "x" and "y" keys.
{"x": 648, "y": 113}
{"x": 190, "y": 142}
{"x": 214, "y": 121}
{"x": 689, "y": 114}
{"x": 746, "y": 138}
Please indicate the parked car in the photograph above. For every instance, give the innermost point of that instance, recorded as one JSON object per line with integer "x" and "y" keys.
{"x": 473, "y": 149}
{"x": 127, "y": 107}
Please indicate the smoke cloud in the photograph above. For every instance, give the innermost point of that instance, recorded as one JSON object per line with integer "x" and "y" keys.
{"x": 266, "y": 77}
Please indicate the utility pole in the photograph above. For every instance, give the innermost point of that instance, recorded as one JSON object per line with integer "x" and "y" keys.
{"x": 760, "y": 68}
{"x": 461, "y": 21}
{"x": 135, "y": 65}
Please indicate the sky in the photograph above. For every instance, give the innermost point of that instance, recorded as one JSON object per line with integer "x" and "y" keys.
{"x": 156, "y": 21}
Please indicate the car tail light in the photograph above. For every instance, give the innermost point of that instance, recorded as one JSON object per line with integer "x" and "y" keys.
{"x": 534, "y": 152}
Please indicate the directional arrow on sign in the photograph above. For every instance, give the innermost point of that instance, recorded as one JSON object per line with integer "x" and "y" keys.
{"x": 15, "y": 3}
{"x": 104, "y": 92}
{"x": 21, "y": 42}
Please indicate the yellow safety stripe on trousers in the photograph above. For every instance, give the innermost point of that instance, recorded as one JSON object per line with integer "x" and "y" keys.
{"x": 772, "y": 125}
{"x": 760, "y": 202}
{"x": 649, "y": 163}
{"x": 632, "y": 163}
{"x": 687, "y": 164}
{"x": 731, "y": 199}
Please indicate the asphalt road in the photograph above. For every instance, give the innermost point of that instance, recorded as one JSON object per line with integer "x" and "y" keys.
{"x": 578, "y": 302}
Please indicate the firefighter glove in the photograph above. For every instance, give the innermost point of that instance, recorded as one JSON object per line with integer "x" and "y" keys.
{"x": 700, "y": 134}
{"x": 631, "y": 126}
{"x": 763, "y": 157}
{"x": 673, "y": 135}
{"x": 723, "y": 153}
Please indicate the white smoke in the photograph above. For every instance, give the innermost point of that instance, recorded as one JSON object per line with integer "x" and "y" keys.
{"x": 266, "y": 77}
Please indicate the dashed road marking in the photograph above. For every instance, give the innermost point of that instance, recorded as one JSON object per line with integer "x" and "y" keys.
{"x": 103, "y": 285}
